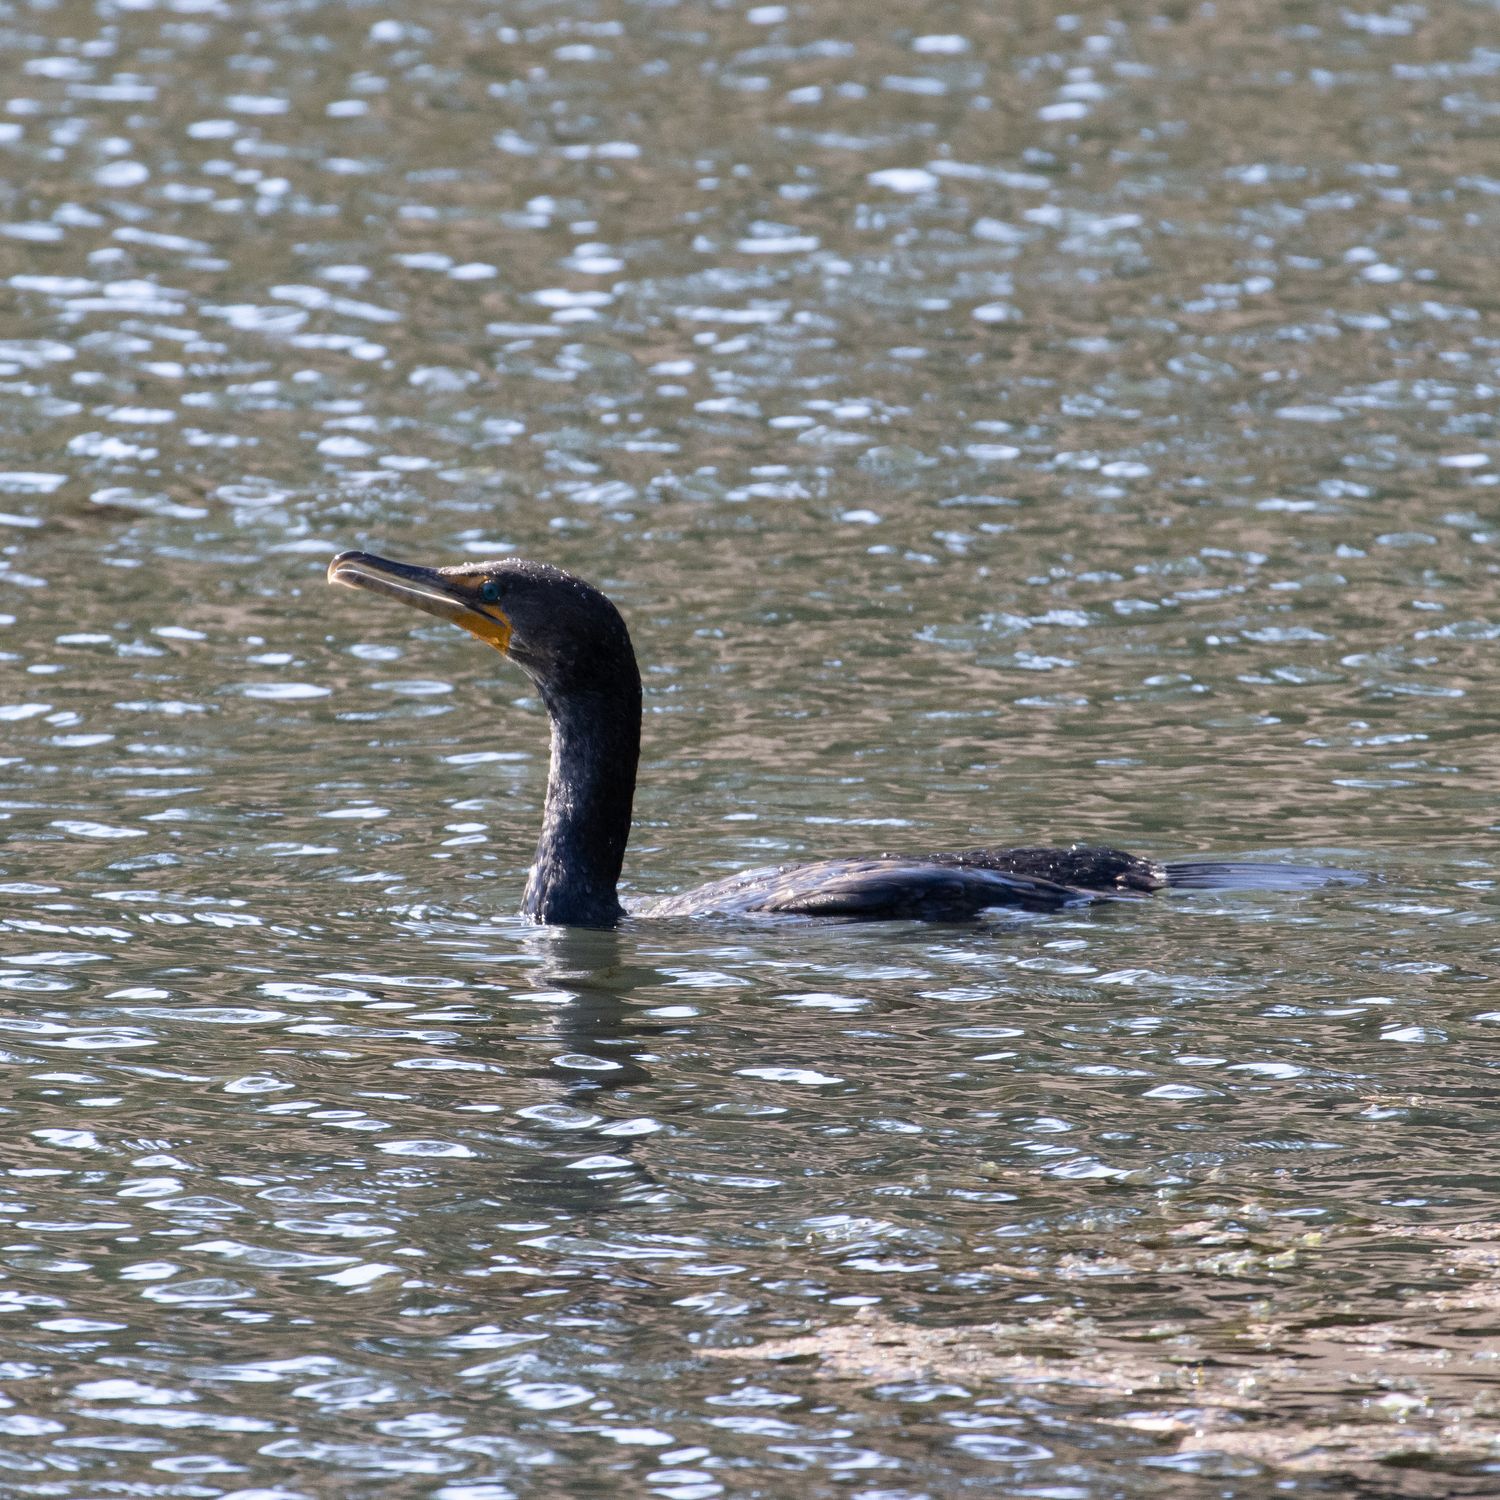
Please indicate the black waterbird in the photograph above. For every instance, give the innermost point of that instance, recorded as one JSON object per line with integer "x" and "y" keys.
{"x": 571, "y": 642}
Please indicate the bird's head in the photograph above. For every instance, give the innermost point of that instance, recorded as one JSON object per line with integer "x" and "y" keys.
{"x": 562, "y": 632}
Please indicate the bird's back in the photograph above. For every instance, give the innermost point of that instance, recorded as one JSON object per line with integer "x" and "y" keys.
{"x": 957, "y": 886}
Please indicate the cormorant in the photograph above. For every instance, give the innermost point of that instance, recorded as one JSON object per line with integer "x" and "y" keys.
{"x": 570, "y": 641}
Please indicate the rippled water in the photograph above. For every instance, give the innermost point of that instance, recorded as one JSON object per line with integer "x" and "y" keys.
{"x": 997, "y": 424}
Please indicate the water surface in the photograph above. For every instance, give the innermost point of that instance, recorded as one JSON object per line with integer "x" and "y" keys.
{"x": 998, "y": 425}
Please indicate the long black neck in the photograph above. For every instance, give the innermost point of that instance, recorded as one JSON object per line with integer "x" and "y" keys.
{"x": 596, "y": 743}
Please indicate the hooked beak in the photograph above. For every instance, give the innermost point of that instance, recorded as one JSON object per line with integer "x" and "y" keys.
{"x": 436, "y": 591}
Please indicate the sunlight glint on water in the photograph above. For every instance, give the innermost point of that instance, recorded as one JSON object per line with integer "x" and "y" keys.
{"x": 996, "y": 427}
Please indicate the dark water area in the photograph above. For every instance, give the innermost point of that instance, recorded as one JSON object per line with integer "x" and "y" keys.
{"x": 998, "y": 424}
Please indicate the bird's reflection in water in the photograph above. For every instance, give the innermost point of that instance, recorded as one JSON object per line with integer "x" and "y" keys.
{"x": 598, "y": 1040}
{"x": 600, "y": 1032}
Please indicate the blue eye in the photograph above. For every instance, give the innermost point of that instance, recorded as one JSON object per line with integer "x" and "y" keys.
{"x": 490, "y": 593}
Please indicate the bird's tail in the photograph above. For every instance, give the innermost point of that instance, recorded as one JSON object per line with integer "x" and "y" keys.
{"x": 1248, "y": 875}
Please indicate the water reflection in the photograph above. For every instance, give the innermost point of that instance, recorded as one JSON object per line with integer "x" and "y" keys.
{"x": 597, "y": 1024}
{"x": 603, "y": 1039}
